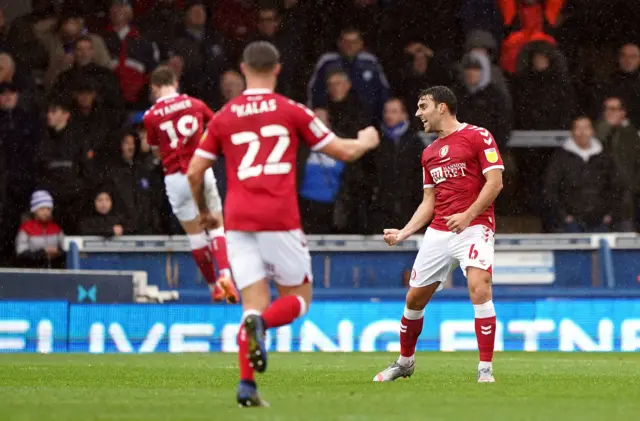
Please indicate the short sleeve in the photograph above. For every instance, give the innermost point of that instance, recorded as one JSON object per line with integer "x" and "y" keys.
{"x": 209, "y": 147}
{"x": 487, "y": 151}
{"x": 313, "y": 131}
{"x": 152, "y": 137}
{"x": 427, "y": 180}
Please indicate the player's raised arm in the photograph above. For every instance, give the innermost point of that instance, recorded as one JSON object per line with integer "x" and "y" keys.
{"x": 352, "y": 149}
{"x": 321, "y": 139}
{"x": 422, "y": 216}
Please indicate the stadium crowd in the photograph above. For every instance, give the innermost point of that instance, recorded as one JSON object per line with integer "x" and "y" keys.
{"x": 74, "y": 84}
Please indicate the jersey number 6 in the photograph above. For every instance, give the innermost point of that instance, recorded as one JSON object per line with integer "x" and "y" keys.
{"x": 273, "y": 166}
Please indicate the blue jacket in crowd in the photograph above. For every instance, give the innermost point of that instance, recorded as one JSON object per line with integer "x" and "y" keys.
{"x": 322, "y": 178}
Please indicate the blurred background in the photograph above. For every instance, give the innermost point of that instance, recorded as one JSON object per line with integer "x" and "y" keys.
{"x": 557, "y": 82}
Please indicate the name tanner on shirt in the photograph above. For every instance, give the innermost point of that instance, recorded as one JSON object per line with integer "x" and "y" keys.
{"x": 172, "y": 108}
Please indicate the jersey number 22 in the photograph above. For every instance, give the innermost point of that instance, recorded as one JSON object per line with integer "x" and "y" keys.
{"x": 272, "y": 166}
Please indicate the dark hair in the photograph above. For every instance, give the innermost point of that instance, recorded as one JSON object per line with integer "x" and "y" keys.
{"x": 261, "y": 56}
{"x": 397, "y": 99}
{"x": 578, "y": 118}
{"x": 336, "y": 70}
{"x": 163, "y": 76}
{"x": 350, "y": 30}
{"x": 60, "y": 101}
{"x": 441, "y": 95}
{"x": 83, "y": 38}
{"x": 623, "y": 105}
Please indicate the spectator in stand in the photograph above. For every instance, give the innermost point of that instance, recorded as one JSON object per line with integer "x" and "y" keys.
{"x": 20, "y": 79}
{"x": 423, "y": 68}
{"x": 288, "y": 43}
{"x": 232, "y": 84}
{"x": 398, "y": 163}
{"x": 61, "y": 43}
{"x": 532, "y": 16}
{"x": 236, "y": 21}
{"x": 365, "y": 72}
{"x": 620, "y": 139}
{"x": 319, "y": 187}
{"x": 480, "y": 102}
{"x": 584, "y": 188}
{"x": 544, "y": 100}
{"x": 544, "y": 97}
{"x": 625, "y": 82}
{"x": 161, "y": 24}
{"x": 40, "y": 239}
{"x": 347, "y": 117}
{"x": 484, "y": 43}
{"x": 84, "y": 67}
{"x": 484, "y": 16}
{"x": 201, "y": 53}
{"x": 19, "y": 138}
{"x": 103, "y": 219}
{"x": 27, "y": 34}
{"x": 94, "y": 122}
{"x": 133, "y": 57}
{"x": 63, "y": 163}
{"x": 141, "y": 202}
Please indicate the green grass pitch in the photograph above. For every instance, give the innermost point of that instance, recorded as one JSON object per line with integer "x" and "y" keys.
{"x": 320, "y": 387}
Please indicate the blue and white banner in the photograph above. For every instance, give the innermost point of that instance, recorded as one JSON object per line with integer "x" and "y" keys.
{"x": 535, "y": 325}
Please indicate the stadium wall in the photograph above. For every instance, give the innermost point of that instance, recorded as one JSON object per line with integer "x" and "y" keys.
{"x": 534, "y": 325}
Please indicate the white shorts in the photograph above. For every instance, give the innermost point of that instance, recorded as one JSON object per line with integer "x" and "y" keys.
{"x": 181, "y": 199}
{"x": 282, "y": 256}
{"x": 442, "y": 251}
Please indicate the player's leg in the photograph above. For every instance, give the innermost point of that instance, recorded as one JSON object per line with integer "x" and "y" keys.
{"x": 184, "y": 208}
{"x": 475, "y": 252}
{"x": 287, "y": 255}
{"x": 218, "y": 240}
{"x": 251, "y": 278}
{"x": 430, "y": 270}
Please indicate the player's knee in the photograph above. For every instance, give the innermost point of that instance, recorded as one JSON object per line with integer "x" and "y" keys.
{"x": 418, "y": 298}
{"x": 479, "y": 285}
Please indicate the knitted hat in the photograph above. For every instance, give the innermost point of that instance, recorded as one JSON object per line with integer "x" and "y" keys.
{"x": 41, "y": 199}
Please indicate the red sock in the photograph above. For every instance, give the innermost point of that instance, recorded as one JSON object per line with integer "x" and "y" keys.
{"x": 246, "y": 372}
{"x": 219, "y": 248}
{"x": 202, "y": 256}
{"x": 283, "y": 311}
{"x": 486, "y": 334}
{"x": 410, "y": 330}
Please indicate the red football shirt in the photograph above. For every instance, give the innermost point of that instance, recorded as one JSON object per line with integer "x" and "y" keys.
{"x": 175, "y": 124}
{"x": 259, "y": 133}
{"x": 455, "y": 166}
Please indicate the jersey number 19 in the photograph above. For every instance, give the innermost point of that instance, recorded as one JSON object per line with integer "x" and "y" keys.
{"x": 186, "y": 126}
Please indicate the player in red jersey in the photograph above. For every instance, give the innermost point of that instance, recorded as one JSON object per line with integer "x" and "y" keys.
{"x": 259, "y": 134}
{"x": 174, "y": 126}
{"x": 462, "y": 178}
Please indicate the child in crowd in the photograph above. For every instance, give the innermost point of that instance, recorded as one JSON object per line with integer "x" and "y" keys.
{"x": 103, "y": 220}
{"x": 39, "y": 240}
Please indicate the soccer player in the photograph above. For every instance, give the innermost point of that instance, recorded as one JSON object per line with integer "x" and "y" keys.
{"x": 462, "y": 178}
{"x": 174, "y": 126}
{"x": 259, "y": 134}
